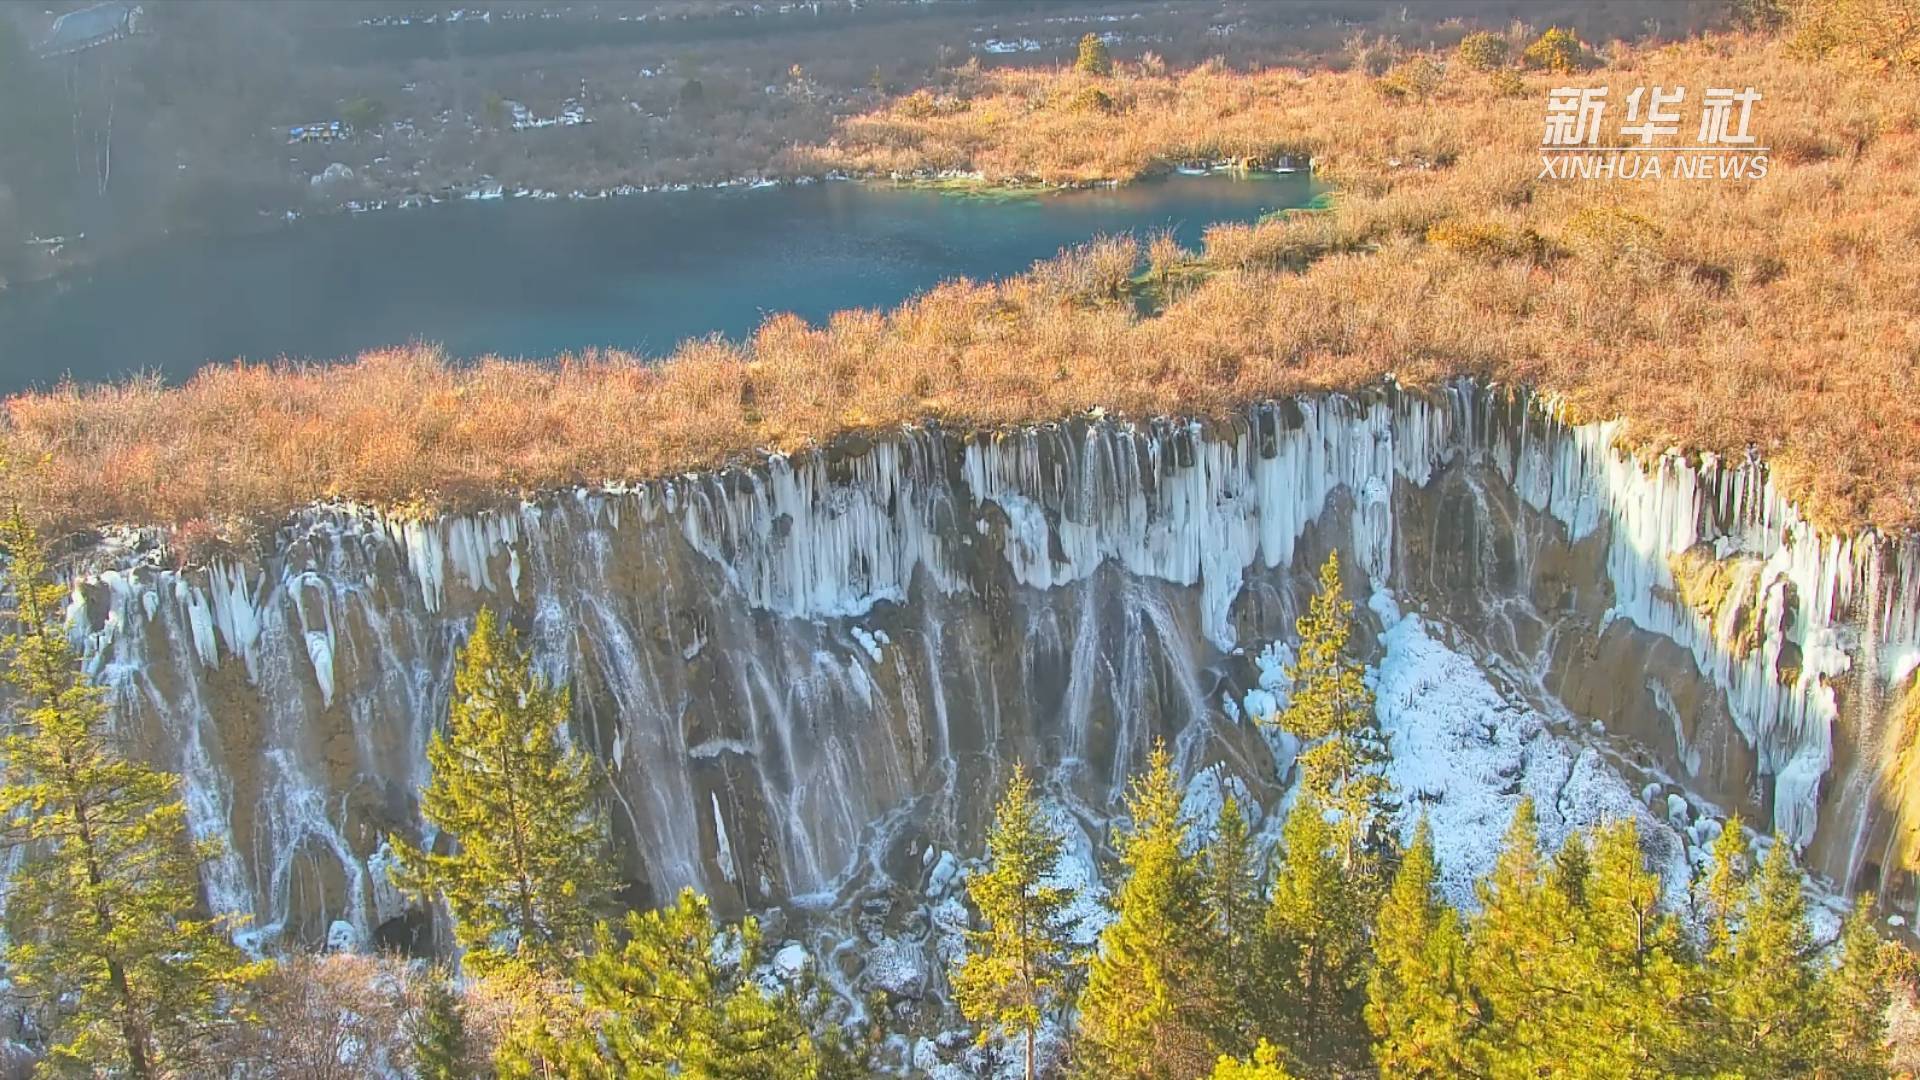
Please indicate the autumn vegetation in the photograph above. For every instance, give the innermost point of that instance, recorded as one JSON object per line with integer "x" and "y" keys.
{"x": 1771, "y": 315}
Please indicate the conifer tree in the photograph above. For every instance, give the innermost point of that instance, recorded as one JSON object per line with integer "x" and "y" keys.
{"x": 1723, "y": 898}
{"x": 1858, "y": 990}
{"x": 1016, "y": 968}
{"x": 1516, "y": 963}
{"x": 1330, "y": 709}
{"x": 1264, "y": 1065}
{"x": 1633, "y": 971}
{"x": 1315, "y": 941}
{"x": 672, "y": 1002}
{"x": 105, "y": 903}
{"x": 529, "y": 870}
{"x": 1094, "y": 59}
{"x": 1417, "y": 1005}
{"x": 1139, "y": 1014}
{"x": 1767, "y": 996}
{"x": 440, "y": 1032}
{"x": 1232, "y": 890}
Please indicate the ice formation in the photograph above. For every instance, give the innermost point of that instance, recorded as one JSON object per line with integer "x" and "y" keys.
{"x": 830, "y": 651}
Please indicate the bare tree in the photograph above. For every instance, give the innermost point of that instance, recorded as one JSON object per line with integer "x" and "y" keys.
{"x": 340, "y": 1017}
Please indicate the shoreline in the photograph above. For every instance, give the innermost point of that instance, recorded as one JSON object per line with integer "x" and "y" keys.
{"x": 957, "y": 182}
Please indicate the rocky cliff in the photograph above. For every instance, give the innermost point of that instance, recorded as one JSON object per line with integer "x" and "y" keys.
{"x": 808, "y": 676}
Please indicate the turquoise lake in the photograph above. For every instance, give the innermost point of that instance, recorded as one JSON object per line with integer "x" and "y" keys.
{"x": 535, "y": 279}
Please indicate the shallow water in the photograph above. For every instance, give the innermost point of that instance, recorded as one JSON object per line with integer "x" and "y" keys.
{"x": 526, "y": 278}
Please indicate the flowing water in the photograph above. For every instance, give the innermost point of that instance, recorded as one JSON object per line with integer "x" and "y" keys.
{"x": 521, "y": 277}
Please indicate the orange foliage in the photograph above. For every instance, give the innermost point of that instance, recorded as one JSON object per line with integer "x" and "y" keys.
{"x": 1776, "y": 314}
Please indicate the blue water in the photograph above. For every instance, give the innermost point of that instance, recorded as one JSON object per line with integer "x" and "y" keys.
{"x": 525, "y": 278}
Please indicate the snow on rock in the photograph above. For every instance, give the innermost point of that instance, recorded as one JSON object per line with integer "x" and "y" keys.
{"x": 1464, "y": 757}
{"x": 1206, "y": 794}
{"x": 950, "y": 922}
{"x": 942, "y": 875}
{"x": 1079, "y": 872}
{"x": 791, "y": 961}
{"x": 342, "y": 937}
{"x": 334, "y": 173}
{"x": 896, "y": 967}
{"x": 388, "y": 901}
{"x": 869, "y": 642}
{"x": 1265, "y": 702}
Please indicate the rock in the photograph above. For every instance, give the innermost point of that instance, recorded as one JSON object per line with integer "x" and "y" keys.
{"x": 332, "y": 174}
{"x": 791, "y": 961}
{"x": 895, "y": 967}
{"x": 342, "y": 937}
{"x": 941, "y": 879}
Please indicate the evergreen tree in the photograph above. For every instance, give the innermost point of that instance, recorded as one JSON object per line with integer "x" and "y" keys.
{"x": 1015, "y": 969}
{"x": 1315, "y": 942}
{"x": 673, "y": 1003}
{"x": 1330, "y": 709}
{"x": 529, "y": 870}
{"x": 1516, "y": 962}
{"x": 1723, "y": 898}
{"x": 1858, "y": 990}
{"x": 1633, "y": 970}
{"x": 1094, "y": 58}
{"x": 1265, "y": 1065}
{"x": 1417, "y": 1006}
{"x": 440, "y": 1032}
{"x": 1140, "y": 1014}
{"x": 1232, "y": 891}
{"x": 104, "y": 903}
{"x": 1768, "y": 999}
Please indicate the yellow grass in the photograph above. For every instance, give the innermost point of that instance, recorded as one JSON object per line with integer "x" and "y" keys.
{"x": 1778, "y": 314}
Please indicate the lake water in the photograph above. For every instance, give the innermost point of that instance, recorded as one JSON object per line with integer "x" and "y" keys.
{"x": 527, "y": 278}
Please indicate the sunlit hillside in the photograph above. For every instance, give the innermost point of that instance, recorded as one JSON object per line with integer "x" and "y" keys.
{"x": 1774, "y": 314}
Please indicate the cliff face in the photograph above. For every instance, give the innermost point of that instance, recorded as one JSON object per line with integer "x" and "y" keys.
{"x": 811, "y": 675}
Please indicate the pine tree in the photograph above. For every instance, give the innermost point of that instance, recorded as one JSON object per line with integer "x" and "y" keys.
{"x": 1724, "y": 892}
{"x": 1516, "y": 955}
{"x": 1634, "y": 970}
{"x": 671, "y": 1001}
{"x": 1140, "y": 1014}
{"x": 1859, "y": 991}
{"x": 1231, "y": 888}
{"x": 1417, "y": 1006}
{"x": 1768, "y": 1015}
{"x": 1094, "y": 58}
{"x": 440, "y": 1032}
{"x": 1016, "y": 968}
{"x": 529, "y": 870}
{"x": 1315, "y": 941}
{"x": 1331, "y": 709}
{"x": 1265, "y": 1065}
{"x": 104, "y": 904}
